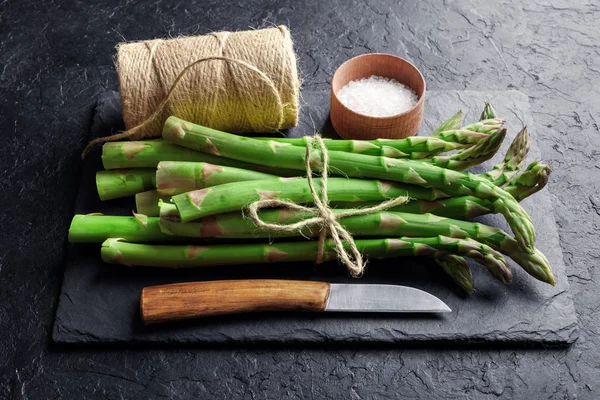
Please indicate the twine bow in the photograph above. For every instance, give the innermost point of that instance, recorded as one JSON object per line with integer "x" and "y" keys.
{"x": 324, "y": 217}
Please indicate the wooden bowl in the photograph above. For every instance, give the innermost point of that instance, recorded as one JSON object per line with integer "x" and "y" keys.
{"x": 352, "y": 125}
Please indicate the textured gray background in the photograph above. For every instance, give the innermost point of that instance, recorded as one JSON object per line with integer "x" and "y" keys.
{"x": 100, "y": 303}
{"x": 56, "y": 57}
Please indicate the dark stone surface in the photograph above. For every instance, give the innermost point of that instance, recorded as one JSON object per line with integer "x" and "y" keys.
{"x": 100, "y": 303}
{"x": 56, "y": 58}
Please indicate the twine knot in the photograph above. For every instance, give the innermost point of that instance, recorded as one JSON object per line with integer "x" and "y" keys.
{"x": 324, "y": 216}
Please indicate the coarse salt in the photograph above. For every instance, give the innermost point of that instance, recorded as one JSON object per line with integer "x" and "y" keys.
{"x": 377, "y": 96}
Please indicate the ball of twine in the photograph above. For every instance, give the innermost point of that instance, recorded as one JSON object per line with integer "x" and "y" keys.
{"x": 231, "y": 81}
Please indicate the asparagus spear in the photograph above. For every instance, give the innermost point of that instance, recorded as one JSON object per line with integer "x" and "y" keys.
{"x": 408, "y": 171}
{"x": 412, "y": 147}
{"x": 147, "y": 202}
{"x": 170, "y": 178}
{"x": 451, "y": 137}
{"x": 457, "y": 268}
{"x": 124, "y": 182}
{"x": 386, "y": 223}
{"x": 98, "y": 228}
{"x": 521, "y": 186}
{"x": 173, "y": 177}
{"x": 117, "y": 251}
{"x": 148, "y": 153}
{"x": 235, "y": 226}
{"x": 533, "y": 179}
{"x": 237, "y": 195}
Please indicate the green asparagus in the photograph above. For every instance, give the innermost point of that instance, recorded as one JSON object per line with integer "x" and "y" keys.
{"x": 124, "y": 182}
{"x": 174, "y": 177}
{"x": 237, "y": 195}
{"x": 385, "y": 223}
{"x": 412, "y": 147}
{"x": 98, "y": 228}
{"x": 148, "y": 153}
{"x": 355, "y": 165}
{"x": 451, "y": 124}
{"x": 533, "y": 179}
{"x": 117, "y": 251}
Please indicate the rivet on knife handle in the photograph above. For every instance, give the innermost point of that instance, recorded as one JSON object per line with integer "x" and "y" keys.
{"x": 181, "y": 301}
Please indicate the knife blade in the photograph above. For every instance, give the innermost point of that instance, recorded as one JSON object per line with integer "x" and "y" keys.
{"x": 181, "y": 301}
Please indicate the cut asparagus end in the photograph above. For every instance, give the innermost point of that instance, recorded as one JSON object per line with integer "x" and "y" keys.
{"x": 147, "y": 202}
{"x": 118, "y": 183}
{"x": 110, "y": 252}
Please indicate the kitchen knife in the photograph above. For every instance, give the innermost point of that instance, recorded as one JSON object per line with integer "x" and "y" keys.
{"x": 181, "y": 301}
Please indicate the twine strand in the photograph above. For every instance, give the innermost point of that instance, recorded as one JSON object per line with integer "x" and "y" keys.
{"x": 324, "y": 217}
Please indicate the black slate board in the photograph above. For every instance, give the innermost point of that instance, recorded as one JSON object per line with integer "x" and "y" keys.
{"x": 99, "y": 303}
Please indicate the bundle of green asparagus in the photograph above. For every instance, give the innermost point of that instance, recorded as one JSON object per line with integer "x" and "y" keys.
{"x": 196, "y": 183}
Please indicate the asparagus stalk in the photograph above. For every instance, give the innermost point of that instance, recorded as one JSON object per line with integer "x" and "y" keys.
{"x": 235, "y": 226}
{"x": 147, "y": 202}
{"x": 117, "y": 251}
{"x": 237, "y": 195}
{"x": 408, "y": 171}
{"x": 124, "y": 182}
{"x": 386, "y": 223}
{"x": 173, "y": 177}
{"x": 412, "y": 147}
{"x": 148, "y": 153}
{"x": 533, "y": 179}
{"x": 457, "y": 268}
{"x": 98, "y": 228}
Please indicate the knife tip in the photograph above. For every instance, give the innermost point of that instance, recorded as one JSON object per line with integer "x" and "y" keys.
{"x": 445, "y": 308}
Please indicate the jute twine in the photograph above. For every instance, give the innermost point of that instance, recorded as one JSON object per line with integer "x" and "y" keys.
{"x": 231, "y": 81}
{"x": 324, "y": 217}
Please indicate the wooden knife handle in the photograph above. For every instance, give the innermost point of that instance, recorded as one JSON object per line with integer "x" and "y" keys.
{"x": 200, "y": 299}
